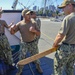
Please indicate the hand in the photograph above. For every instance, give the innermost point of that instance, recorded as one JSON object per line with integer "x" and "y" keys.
{"x": 13, "y": 26}
{"x": 12, "y": 29}
{"x": 12, "y": 23}
{"x": 32, "y": 29}
{"x": 55, "y": 45}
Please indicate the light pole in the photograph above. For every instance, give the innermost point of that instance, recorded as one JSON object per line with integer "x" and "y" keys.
{"x": 44, "y": 10}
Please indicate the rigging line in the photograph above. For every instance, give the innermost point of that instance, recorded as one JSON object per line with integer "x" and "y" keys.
{"x": 21, "y": 4}
{"x": 30, "y": 65}
{"x": 27, "y": 2}
{"x": 31, "y": 4}
{"x": 31, "y": 69}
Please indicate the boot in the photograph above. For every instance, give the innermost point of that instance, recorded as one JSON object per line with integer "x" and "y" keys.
{"x": 19, "y": 70}
{"x": 12, "y": 67}
{"x": 39, "y": 69}
{"x": 18, "y": 73}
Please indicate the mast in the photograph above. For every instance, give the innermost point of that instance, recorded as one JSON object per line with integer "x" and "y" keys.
{"x": 14, "y": 4}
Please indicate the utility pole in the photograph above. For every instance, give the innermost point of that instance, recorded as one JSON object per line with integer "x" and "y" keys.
{"x": 44, "y": 10}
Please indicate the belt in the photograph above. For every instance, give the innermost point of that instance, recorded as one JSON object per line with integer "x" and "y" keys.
{"x": 1, "y": 34}
{"x": 31, "y": 41}
{"x": 67, "y": 44}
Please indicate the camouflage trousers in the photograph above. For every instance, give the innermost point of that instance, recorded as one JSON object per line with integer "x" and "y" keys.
{"x": 5, "y": 50}
{"x": 64, "y": 60}
{"x": 28, "y": 47}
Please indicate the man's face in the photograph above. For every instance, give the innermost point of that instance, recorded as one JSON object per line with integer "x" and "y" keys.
{"x": 67, "y": 9}
{"x": 33, "y": 15}
{"x": 27, "y": 17}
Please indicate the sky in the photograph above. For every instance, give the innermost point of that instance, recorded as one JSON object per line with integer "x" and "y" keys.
{"x": 7, "y": 4}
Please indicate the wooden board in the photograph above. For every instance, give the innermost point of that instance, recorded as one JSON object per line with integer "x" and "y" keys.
{"x": 37, "y": 56}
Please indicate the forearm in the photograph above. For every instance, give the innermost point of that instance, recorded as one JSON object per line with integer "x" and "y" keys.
{"x": 58, "y": 39}
{"x": 37, "y": 33}
{"x": 10, "y": 25}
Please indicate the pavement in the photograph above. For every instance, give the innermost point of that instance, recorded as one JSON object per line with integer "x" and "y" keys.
{"x": 49, "y": 30}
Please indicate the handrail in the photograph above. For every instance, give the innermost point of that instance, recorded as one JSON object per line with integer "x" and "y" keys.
{"x": 15, "y": 56}
{"x": 15, "y": 53}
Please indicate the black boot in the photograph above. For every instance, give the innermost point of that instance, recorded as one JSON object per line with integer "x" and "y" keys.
{"x": 12, "y": 67}
{"x": 19, "y": 73}
{"x": 39, "y": 69}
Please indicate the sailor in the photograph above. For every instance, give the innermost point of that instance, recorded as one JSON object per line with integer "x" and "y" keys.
{"x": 29, "y": 31}
{"x": 65, "y": 55}
{"x": 5, "y": 49}
{"x": 38, "y": 23}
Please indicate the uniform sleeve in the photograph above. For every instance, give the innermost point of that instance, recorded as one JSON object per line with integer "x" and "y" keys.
{"x": 39, "y": 23}
{"x": 36, "y": 27}
{"x": 5, "y": 24}
{"x": 65, "y": 26}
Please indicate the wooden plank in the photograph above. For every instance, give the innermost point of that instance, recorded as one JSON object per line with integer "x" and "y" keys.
{"x": 37, "y": 56}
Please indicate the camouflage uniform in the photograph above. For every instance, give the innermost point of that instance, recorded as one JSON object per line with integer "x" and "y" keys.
{"x": 65, "y": 55}
{"x": 28, "y": 47}
{"x": 28, "y": 41}
{"x": 25, "y": 47}
{"x": 38, "y": 23}
{"x": 64, "y": 59}
{"x": 5, "y": 50}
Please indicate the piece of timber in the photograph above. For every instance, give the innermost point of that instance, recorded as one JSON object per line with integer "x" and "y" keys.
{"x": 36, "y": 56}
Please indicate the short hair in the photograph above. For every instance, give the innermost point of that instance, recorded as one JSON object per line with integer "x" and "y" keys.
{"x": 73, "y": 5}
{"x": 32, "y": 12}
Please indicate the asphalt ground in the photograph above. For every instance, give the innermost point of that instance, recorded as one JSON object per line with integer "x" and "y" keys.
{"x": 49, "y": 30}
